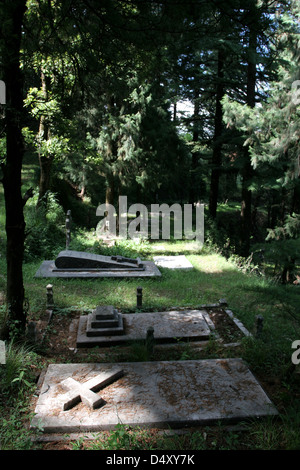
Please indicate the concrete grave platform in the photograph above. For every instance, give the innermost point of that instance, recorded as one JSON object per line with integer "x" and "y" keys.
{"x": 48, "y": 270}
{"x": 186, "y": 324}
{"x": 151, "y": 394}
{"x": 173, "y": 262}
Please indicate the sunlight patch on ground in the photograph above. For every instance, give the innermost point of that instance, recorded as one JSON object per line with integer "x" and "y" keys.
{"x": 211, "y": 263}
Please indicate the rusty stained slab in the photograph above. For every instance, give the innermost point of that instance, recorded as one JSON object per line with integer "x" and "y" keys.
{"x": 155, "y": 394}
{"x": 168, "y": 326}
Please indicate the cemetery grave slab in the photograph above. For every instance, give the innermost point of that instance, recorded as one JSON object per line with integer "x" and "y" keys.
{"x": 186, "y": 324}
{"x": 77, "y": 264}
{"x": 151, "y": 394}
{"x": 173, "y": 262}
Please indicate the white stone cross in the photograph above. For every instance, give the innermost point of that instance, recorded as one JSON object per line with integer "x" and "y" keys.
{"x": 86, "y": 391}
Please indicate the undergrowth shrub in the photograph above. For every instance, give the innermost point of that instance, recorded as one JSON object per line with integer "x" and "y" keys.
{"x": 45, "y": 228}
{"x": 15, "y": 373}
{"x": 17, "y": 382}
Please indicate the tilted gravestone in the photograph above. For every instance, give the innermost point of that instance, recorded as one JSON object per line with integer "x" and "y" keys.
{"x": 80, "y": 260}
{"x": 70, "y": 263}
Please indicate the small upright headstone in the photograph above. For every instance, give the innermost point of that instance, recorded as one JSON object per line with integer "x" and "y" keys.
{"x": 139, "y": 297}
{"x": 2, "y": 352}
{"x": 259, "y": 325}
{"x": 31, "y": 333}
{"x": 50, "y": 302}
{"x": 68, "y": 229}
{"x": 150, "y": 341}
{"x": 2, "y": 92}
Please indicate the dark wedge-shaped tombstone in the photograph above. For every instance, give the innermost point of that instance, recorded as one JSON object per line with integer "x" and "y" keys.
{"x": 80, "y": 260}
{"x": 73, "y": 264}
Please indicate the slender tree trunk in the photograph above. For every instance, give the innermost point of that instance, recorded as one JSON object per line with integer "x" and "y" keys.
{"x": 110, "y": 190}
{"x": 193, "y": 192}
{"x": 295, "y": 206}
{"x": 45, "y": 175}
{"x": 247, "y": 170}
{"x": 217, "y": 149}
{"x": 45, "y": 161}
{"x": 15, "y": 224}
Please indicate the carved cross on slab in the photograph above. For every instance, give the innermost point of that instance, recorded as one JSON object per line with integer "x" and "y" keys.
{"x": 86, "y": 392}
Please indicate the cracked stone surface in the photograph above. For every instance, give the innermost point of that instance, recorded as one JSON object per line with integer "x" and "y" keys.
{"x": 154, "y": 394}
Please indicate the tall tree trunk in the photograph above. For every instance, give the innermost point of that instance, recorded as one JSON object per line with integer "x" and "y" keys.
{"x": 195, "y": 155}
{"x": 110, "y": 190}
{"x": 45, "y": 161}
{"x": 45, "y": 174}
{"x": 247, "y": 170}
{"x": 217, "y": 148}
{"x": 295, "y": 206}
{"x": 15, "y": 224}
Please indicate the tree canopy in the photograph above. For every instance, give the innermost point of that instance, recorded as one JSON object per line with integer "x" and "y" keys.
{"x": 92, "y": 93}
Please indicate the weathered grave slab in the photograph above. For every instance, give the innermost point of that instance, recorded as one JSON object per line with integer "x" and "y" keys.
{"x": 186, "y": 324}
{"x": 173, "y": 262}
{"x": 154, "y": 394}
{"x": 49, "y": 270}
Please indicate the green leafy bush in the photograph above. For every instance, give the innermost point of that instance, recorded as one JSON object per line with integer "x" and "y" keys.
{"x": 44, "y": 228}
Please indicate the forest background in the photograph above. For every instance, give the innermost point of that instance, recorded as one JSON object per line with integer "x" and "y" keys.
{"x": 93, "y": 111}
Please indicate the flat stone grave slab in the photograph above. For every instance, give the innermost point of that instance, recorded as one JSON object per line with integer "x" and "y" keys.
{"x": 150, "y": 394}
{"x": 186, "y": 324}
{"x": 173, "y": 262}
{"x": 48, "y": 270}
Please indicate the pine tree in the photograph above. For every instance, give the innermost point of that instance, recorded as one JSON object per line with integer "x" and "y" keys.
{"x": 273, "y": 139}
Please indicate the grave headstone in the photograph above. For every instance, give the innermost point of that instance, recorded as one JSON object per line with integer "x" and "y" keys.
{"x": 2, "y": 352}
{"x": 68, "y": 229}
{"x": 50, "y": 301}
{"x": 139, "y": 297}
{"x": 74, "y": 264}
{"x": 150, "y": 341}
{"x": 259, "y": 325}
{"x": 31, "y": 333}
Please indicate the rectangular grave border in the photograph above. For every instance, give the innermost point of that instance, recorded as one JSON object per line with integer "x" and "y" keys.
{"x": 43, "y": 326}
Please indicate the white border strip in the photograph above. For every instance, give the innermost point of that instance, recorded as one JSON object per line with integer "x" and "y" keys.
{"x": 238, "y": 323}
